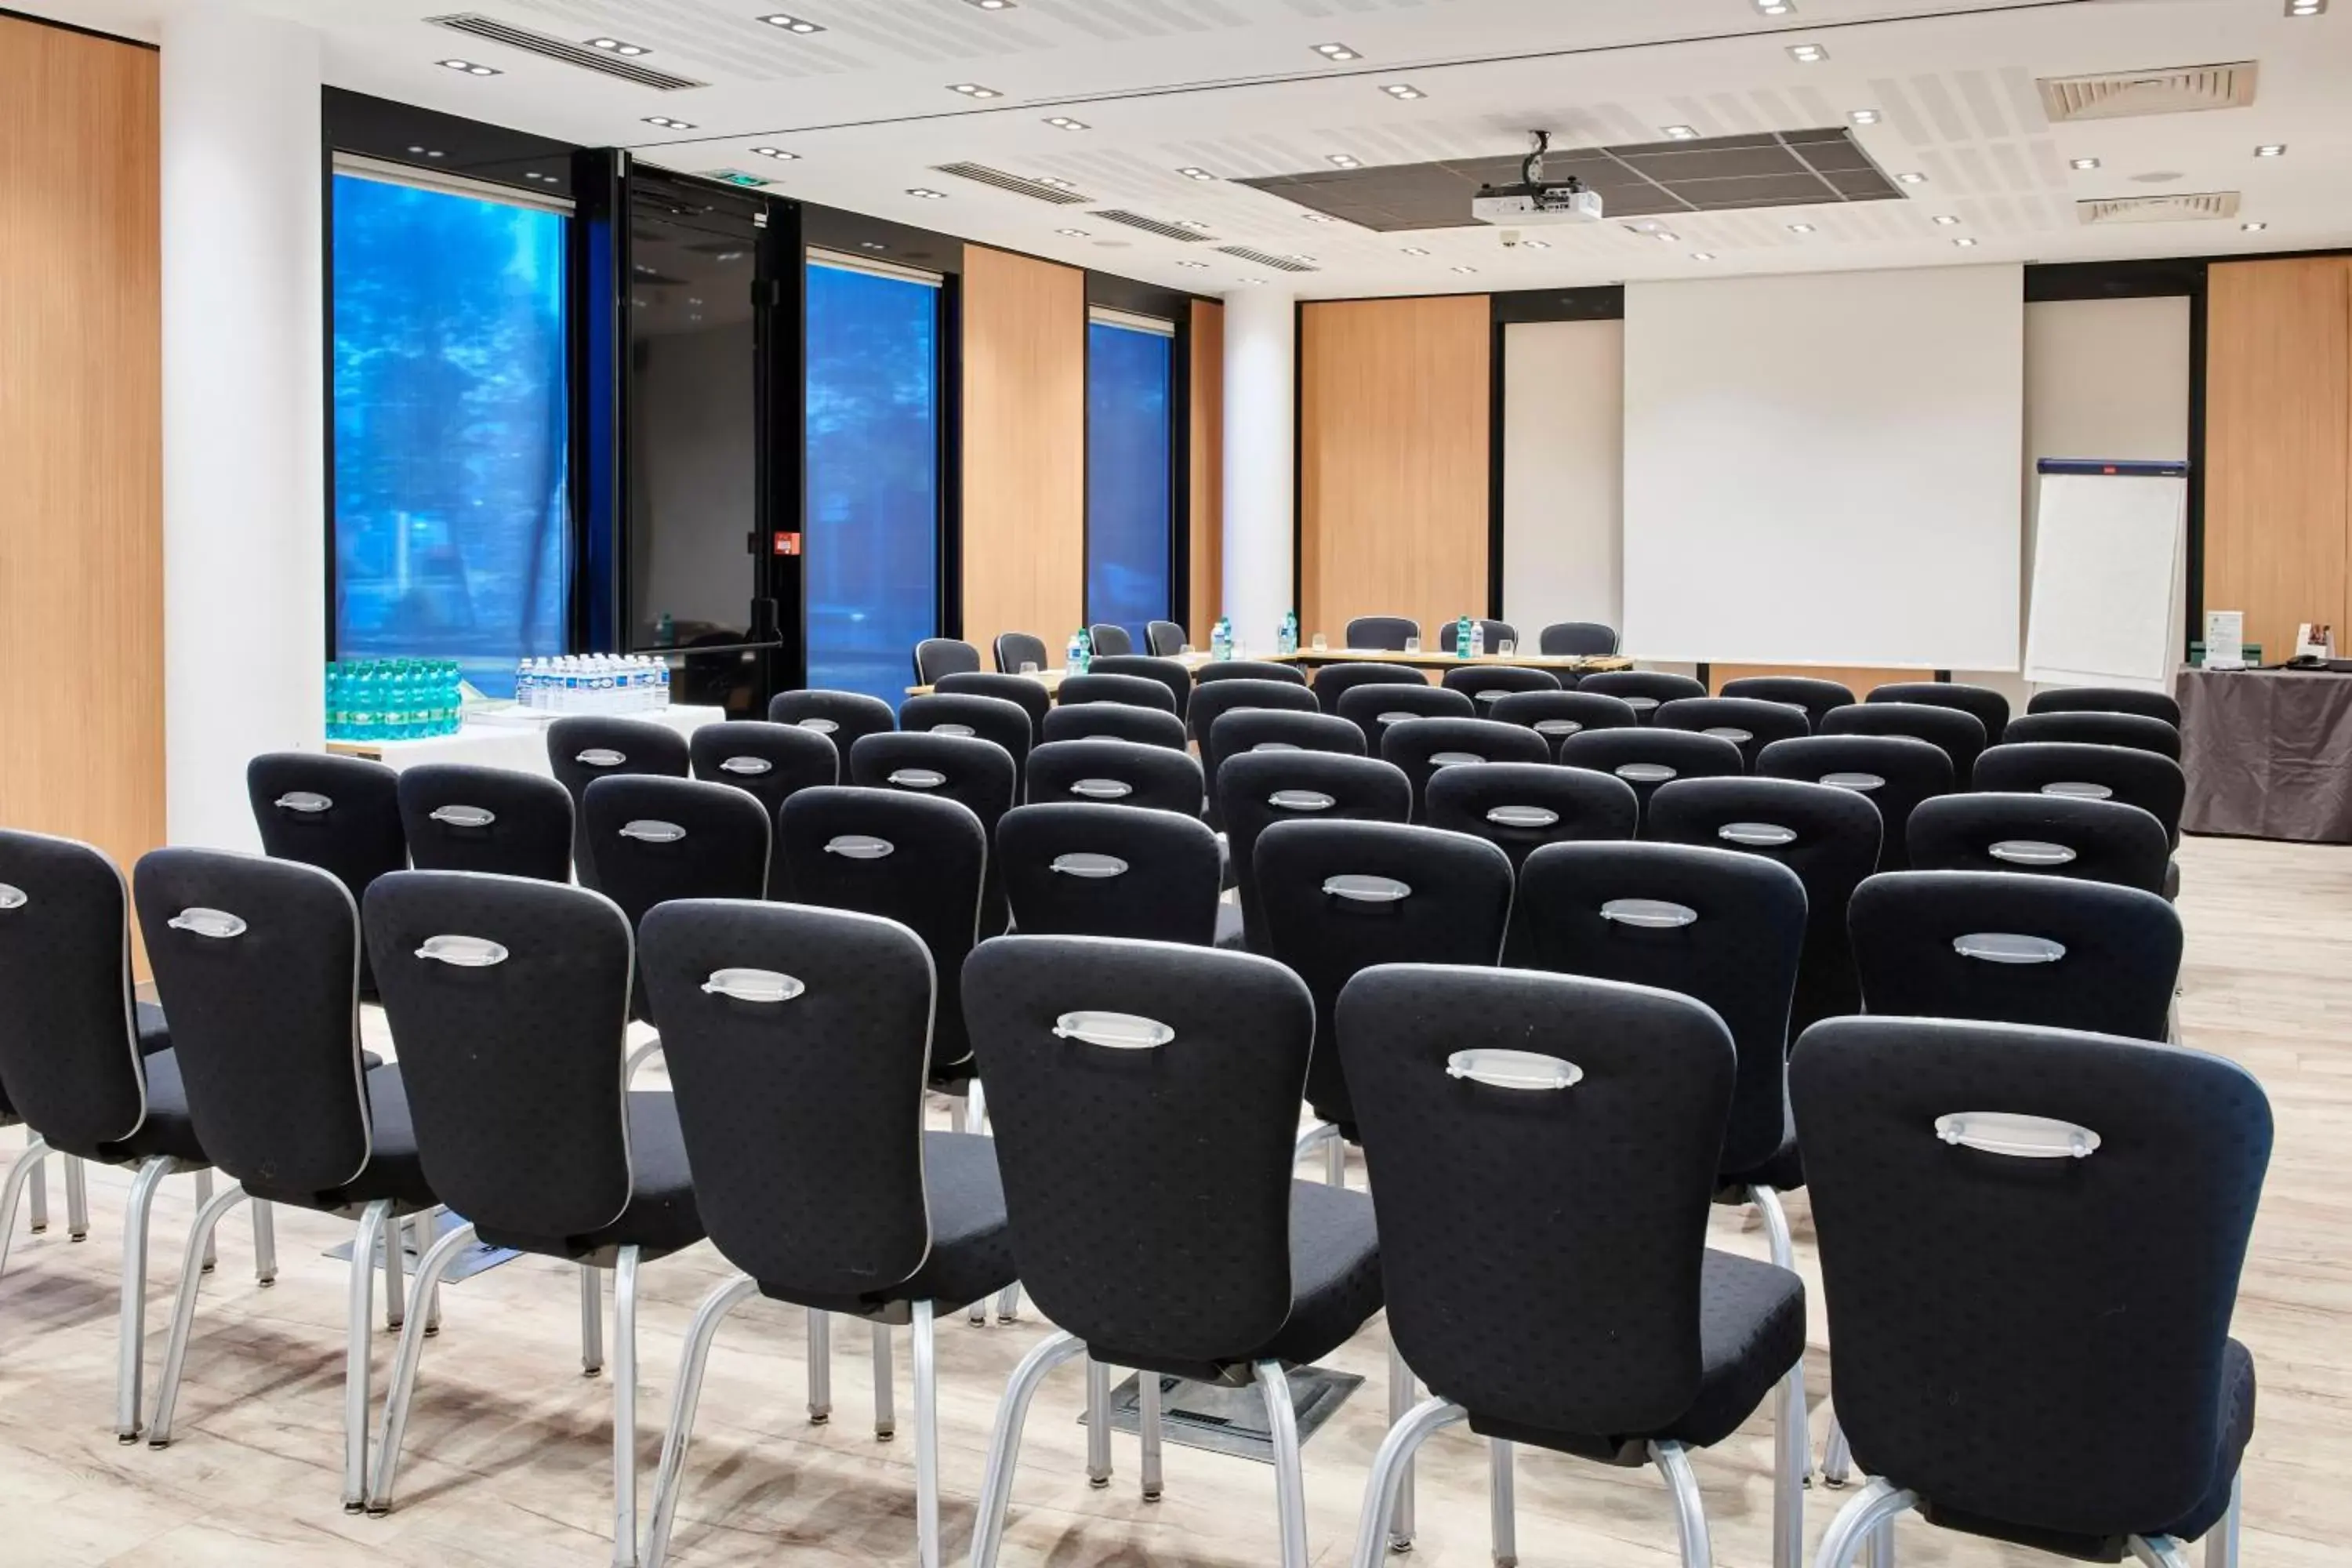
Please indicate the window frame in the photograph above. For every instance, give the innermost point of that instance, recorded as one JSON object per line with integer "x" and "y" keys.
{"x": 1178, "y": 332}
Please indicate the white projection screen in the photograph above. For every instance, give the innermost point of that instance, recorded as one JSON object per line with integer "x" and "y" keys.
{"x": 1823, "y": 470}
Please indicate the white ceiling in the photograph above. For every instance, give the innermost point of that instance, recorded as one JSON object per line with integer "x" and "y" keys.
{"x": 1234, "y": 87}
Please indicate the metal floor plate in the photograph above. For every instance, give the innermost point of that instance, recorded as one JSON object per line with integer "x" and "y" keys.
{"x": 475, "y": 1260}
{"x": 1232, "y": 1420}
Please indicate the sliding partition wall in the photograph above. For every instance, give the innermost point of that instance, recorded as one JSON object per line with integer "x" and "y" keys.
{"x": 1130, "y": 376}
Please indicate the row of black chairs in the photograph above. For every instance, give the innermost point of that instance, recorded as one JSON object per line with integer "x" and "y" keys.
{"x": 1014, "y": 651}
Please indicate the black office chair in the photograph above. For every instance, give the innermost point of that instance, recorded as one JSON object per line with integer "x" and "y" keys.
{"x": 2156, "y": 785}
{"x": 1334, "y": 681}
{"x": 767, "y": 762}
{"x": 258, "y": 958}
{"x": 1169, "y": 672}
{"x": 1420, "y": 747}
{"x": 1989, "y": 707}
{"x": 1139, "y": 690}
{"x": 2048, "y": 835}
{"x": 1487, "y": 684}
{"x": 2133, "y": 729}
{"x": 845, "y": 717}
{"x": 1593, "y": 1321}
{"x": 585, "y": 747}
{"x": 1217, "y": 698}
{"x": 1372, "y": 708}
{"x": 936, "y": 657}
{"x": 1894, "y": 772}
{"x": 510, "y": 999}
{"x": 1746, "y": 722}
{"x": 797, "y": 1039}
{"x": 339, "y": 813}
{"x": 1249, "y": 670}
{"x": 1961, "y": 734}
{"x": 2016, "y": 949}
{"x": 1163, "y": 639}
{"x": 1520, "y": 807}
{"x": 1257, "y": 789}
{"x": 975, "y": 774}
{"x": 1115, "y": 773}
{"x": 1279, "y": 730}
{"x": 1556, "y": 715}
{"x": 1145, "y": 1098}
{"x": 1113, "y": 722}
{"x": 1111, "y": 640}
{"x": 1387, "y": 634}
{"x": 2055, "y": 1368}
{"x": 1814, "y": 696}
{"x": 985, "y": 718}
{"x": 1023, "y": 691}
{"x": 1015, "y": 650}
{"x": 2107, "y": 699}
{"x": 500, "y": 820}
{"x": 1647, "y": 757}
{"x": 1828, "y": 837}
{"x": 1585, "y": 639}
{"x": 1097, "y": 871}
{"x": 651, "y": 840}
{"x": 1495, "y": 634}
{"x": 1643, "y": 690}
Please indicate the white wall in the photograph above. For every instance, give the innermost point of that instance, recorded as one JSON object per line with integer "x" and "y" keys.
{"x": 1563, "y": 473}
{"x": 1261, "y": 484}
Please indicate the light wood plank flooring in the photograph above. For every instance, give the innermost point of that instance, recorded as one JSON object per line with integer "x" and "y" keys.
{"x": 508, "y": 1454}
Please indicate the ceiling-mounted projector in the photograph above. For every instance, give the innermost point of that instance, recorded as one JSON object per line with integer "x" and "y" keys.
{"x": 1535, "y": 199}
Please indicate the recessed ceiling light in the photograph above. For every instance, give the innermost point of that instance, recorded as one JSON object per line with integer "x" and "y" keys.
{"x": 1669, "y": 236}
{"x": 1414, "y": 250}
{"x": 1535, "y": 245}
{"x": 1808, "y": 54}
{"x": 470, "y": 68}
{"x": 1800, "y": 228}
{"x": 1192, "y": 223}
{"x": 2253, "y": 227}
{"x": 1865, "y": 116}
{"x": 1912, "y": 179}
{"x": 1252, "y": 282}
{"x": 792, "y": 24}
{"x": 2083, "y": 162}
{"x": 990, "y": 4}
{"x": 1775, "y": 7}
{"x": 776, "y": 152}
{"x": 1465, "y": 271}
{"x": 871, "y": 245}
{"x": 2270, "y": 149}
{"x": 1679, "y": 132}
{"x": 929, "y": 195}
{"x": 973, "y": 90}
{"x": 1403, "y": 90}
{"x": 1192, "y": 174}
{"x": 1341, "y": 160}
{"x": 1064, "y": 123}
{"x": 1964, "y": 243}
{"x": 1945, "y": 220}
{"x": 1057, "y": 184}
{"x": 2305, "y": 7}
{"x": 1194, "y": 264}
{"x": 1702, "y": 256}
{"x": 1318, "y": 217}
{"x": 1337, "y": 52}
{"x": 436, "y": 152}
{"x": 416, "y": 149}
{"x": 667, "y": 124}
{"x": 1073, "y": 233}
{"x": 615, "y": 45}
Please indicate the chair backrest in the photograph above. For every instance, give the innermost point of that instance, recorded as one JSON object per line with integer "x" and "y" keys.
{"x": 842, "y": 717}
{"x": 1556, "y": 715}
{"x": 1487, "y": 684}
{"x": 1828, "y": 837}
{"x": 257, "y": 964}
{"x": 1334, "y": 681}
{"x": 2156, "y": 785}
{"x": 1169, "y": 672}
{"x": 975, "y": 774}
{"x": 1165, "y": 640}
{"x": 500, "y": 820}
{"x": 1746, "y": 722}
{"x": 920, "y": 861}
{"x": 2136, "y": 730}
{"x": 1814, "y": 695}
{"x": 1989, "y": 707}
{"x": 1587, "y": 640}
{"x": 1647, "y": 757}
{"x": 1519, "y": 807}
{"x": 1618, "y": 1120}
{"x": 1959, "y": 734}
{"x": 2016, "y": 949}
{"x": 987, "y": 718}
{"x": 1143, "y": 1091}
{"x": 1726, "y": 928}
{"x": 68, "y": 1049}
{"x": 1894, "y": 772}
{"x": 1242, "y": 730}
{"x": 1258, "y": 789}
{"x": 1341, "y": 897}
{"x": 2102, "y": 1284}
{"x": 936, "y": 657}
{"x": 2046, "y": 835}
{"x": 1386, "y": 633}
{"x": 1015, "y": 650}
{"x": 1115, "y": 773}
{"x": 1098, "y": 871}
{"x": 1113, "y": 722}
{"x": 510, "y": 998}
{"x": 767, "y": 762}
{"x": 584, "y": 748}
{"x": 1372, "y": 708}
{"x": 339, "y": 813}
{"x": 1217, "y": 698}
{"x": 1643, "y": 690}
{"x": 1249, "y": 670}
{"x": 1497, "y": 632}
{"x": 1420, "y": 747}
{"x": 797, "y": 1040}
{"x": 2107, "y": 699}
{"x": 654, "y": 839}
{"x": 1023, "y": 691}
{"x": 1137, "y": 691}
{"x": 1108, "y": 638}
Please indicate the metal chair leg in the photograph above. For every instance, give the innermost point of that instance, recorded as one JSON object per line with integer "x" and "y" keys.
{"x": 20, "y": 1172}
{"x": 36, "y": 1216}
{"x": 2221, "y": 1540}
{"x": 265, "y": 1244}
{"x": 429, "y": 1269}
{"x": 1289, "y": 1480}
{"x": 885, "y": 1418}
{"x": 393, "y": 1242}
{"x": 130, "y": 1367}
{"x": 1005, "y": 1444}
{"x": 975, "y": 1107}
{"x": 359, "y": 1332}
{"x": 420, "y": 1227}
{"x": 1403, "y": 1391}
{"x": 1147, "y": 1427}
{"x": 204, "y": 1196}
{"x": 2159, "y": 1551}
{"x": 1837, "y": 1458}
{"x": 1776, "y": 1225}
{"x": 77, "y": 1199}
{"x": 625, "y": 1409}
{"x": 684, "y": 1399}
{"x": 1008, "y": 1304}
{"x": 1502, "y": 1507}
{"x": 1388, "y": 1472}
{"x": 1878, "y": 1551}
{"x": 1867, "y": 1516}
{"x": 927, "y": 1438}
{"x": 1097, "y": 1424}
{"x": 184, "y": 1314}
{"x": 1792, "y": 1455}
{"x": 820, "y": 1368}
{"x": 1335, "y": 1160}
{"x": 592, "y": 1320}
{"x": 1690, "y": 1515}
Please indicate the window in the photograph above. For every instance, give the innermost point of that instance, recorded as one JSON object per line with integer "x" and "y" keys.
{"x": 873, "y": 475}
{"x": 1129, "y": 361}
{"x": 451, "y": 495}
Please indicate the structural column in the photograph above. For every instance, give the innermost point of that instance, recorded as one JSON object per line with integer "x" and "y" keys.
{"x": 244, "y": 523}
{"x": 1261, "y": 486}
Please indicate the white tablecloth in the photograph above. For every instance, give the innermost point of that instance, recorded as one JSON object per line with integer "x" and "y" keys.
{"x": 521, "y": 744}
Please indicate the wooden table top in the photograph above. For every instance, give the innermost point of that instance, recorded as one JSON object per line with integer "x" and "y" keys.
{"x": 1573, "y": 664}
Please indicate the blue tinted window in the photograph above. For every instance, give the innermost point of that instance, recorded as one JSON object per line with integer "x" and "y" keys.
{"x": 451, "y": 428}
{"x": 872, "y": 478}
{"x": 1127, "y": 476}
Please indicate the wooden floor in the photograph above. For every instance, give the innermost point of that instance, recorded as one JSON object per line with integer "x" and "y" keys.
{"x": 508, "y": 1454}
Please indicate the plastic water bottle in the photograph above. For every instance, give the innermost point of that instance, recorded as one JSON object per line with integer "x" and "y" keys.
{"x": 1461, "y": 637}
{"x": 1478, "y": 639}
{"x": 1221, "y": 639}
{"x": 1071, "y": 655}
{"x": 1286, "y": 637}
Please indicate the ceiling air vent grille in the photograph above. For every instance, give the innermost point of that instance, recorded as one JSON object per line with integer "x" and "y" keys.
{"x": 1265, "y": 258}
{"x": 2184, "y": 207}
{"x": 1153, "y": 225}
{"x": 563, "y": 50}
{"x": 2124, "y": 94}
{"x": 1044, "y": 191}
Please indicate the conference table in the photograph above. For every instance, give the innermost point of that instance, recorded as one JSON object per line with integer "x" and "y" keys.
{"x": 1310, "y": 657}
{"x": 506, "y": 737}
{"x": 2268, "y": 753}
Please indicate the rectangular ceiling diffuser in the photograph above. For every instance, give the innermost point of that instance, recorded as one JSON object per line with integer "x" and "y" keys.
{"x": 2122, "y": 95}
{"x": 563, "y": 50}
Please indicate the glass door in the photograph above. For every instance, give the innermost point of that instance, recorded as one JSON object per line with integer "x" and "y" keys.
{"x": 1131, "y": 363}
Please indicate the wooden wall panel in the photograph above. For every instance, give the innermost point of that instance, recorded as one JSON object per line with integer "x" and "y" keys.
{"x": 2278, "y": 446}
{"x": 82, "y": 574}
{"x": 1208, "y": 475}
{"x": 1853, "y": 677}
{"x": 1393, "y": 462}
{"x": 1024, "y": 447}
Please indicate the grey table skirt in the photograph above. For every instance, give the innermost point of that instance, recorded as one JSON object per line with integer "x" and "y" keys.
{"x": 2268, "y": 753}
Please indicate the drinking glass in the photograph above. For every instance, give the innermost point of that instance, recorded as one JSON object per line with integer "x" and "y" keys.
{"x": 1320, "y": 644}
{"x": 1506, "y": 647}
{"x": 1413, "y": 645}
{"x": 1028, "y": 666}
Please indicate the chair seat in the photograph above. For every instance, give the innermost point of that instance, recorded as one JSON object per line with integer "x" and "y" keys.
{"x": 168, "y": 1130}
{"x": 1751, "y": 1331}
{"x": 972, "y": 1249}
{"x": 1783, "y": 1171}
{"x": 394, "y": 1171}
{"x": 660, "y": 1216}
{"x": 154, "y": 1034}
{"x": 2171, "y": 881}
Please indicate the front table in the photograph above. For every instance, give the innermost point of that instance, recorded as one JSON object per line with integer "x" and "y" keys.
{"x": 513, "y": 743}
{"x": 1558, "y": 664}
{"x": 2268, "y": 752}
